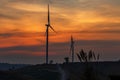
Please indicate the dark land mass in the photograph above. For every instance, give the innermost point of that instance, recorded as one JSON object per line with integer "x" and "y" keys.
{"x": 6, "y": 66}
{"x": 33, "y": 72}
{"x": 74, "y": 71}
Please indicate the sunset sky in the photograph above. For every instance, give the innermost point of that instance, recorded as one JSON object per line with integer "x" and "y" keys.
{"x": 94, "y": 24}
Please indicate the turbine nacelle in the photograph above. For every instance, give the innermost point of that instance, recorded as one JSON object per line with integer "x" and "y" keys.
{"x": 47, "y": 25}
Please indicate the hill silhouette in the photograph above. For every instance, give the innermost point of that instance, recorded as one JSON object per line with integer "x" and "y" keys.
{"x": 73, "y": 71}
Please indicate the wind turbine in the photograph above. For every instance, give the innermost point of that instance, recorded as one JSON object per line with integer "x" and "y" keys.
{"x": 48, "y": 25}
{"x": 72, "y": 49}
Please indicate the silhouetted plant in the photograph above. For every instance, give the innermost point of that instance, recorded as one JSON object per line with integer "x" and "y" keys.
{"x": 51, "y": 62}
{"x": 87, "y": 57}
{"x": 66, "y": 59}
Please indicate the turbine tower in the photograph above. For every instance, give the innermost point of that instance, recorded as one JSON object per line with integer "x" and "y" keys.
{"x": 48, "y": 25}
{"x": 72, "y": 49}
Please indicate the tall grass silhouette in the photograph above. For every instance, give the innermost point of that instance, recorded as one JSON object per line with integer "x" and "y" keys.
{"x": 89, "y": 72}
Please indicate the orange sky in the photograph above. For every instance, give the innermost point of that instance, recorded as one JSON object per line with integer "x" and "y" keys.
{"x": 23, "y": 22}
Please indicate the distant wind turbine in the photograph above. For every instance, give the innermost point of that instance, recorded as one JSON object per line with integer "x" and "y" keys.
{"x": 72, "y": 49}
{"x": 48, "y": 25}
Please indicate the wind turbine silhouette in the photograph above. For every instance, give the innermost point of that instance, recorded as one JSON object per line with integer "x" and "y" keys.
{"x": 72, "y": 49}
{"x": 48, "y": 25}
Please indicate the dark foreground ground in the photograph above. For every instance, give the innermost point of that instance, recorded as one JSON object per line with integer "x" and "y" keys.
{"x": 36, "y": 72}
{"x": 52, "y": 72}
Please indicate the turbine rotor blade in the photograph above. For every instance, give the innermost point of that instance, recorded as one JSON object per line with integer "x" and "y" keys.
{"x": 52, "y": 29}
{"x": 48, "y": 15}
{"x": 46, "y": 32}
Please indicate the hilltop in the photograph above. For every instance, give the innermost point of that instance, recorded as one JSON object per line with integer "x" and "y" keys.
{"x": 7, "y": 66}
{"x": 32, "y": 72}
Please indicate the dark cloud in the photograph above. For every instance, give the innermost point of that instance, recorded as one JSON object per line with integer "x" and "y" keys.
{"x": 22, "y": 34}
{"x": 93, "y": 31}
{"x": 7, "y": 16}
{"x": 65, "y": 45}
{"x": 105, "y": 47}
{"x": 34, "y": 48}
{"x": 71, "y": 4}
{"x": 101, "y": 31}
{"x": 104, "y": 43}
{"x": 103, "y": 27}
{"x": 100, "y": 27}
{"x": 107, "y": 24}
{"x": 6, "y": 35}
{"x": 29, "y": 59}
{"x": 21, "y": 59}
{"x": 112, "y": 2}
{"x": 99, "y": 42}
